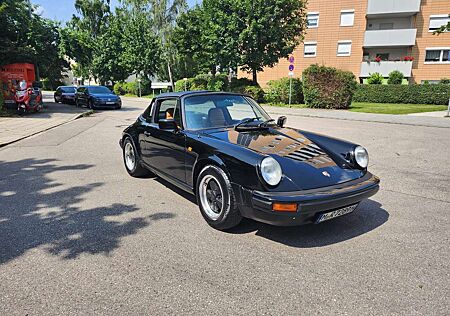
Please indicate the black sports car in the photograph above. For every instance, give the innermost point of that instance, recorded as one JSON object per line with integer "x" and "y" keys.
{"x": 225, "y": 149}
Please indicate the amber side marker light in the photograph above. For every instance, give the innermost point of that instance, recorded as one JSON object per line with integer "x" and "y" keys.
{"x": 284, "y": 207}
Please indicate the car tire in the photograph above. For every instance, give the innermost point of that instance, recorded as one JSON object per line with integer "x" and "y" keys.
{"x": 132, "y": 161}
{"x": 77, "y": 103}
{"x": 56, "y": 101}
{"x": 90, "y": 105}
{"x": 221, "y": 212}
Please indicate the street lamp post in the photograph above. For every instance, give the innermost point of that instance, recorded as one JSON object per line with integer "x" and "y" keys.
{"x": 185, "y": 84}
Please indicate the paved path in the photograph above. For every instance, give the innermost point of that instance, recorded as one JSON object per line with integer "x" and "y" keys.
{"x": 78, "y": 236}
{"x": 430, "y": 121}
{"x": 13, "y": 129}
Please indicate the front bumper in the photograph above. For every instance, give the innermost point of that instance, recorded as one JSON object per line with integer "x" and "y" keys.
{"x": 311, "y": 203}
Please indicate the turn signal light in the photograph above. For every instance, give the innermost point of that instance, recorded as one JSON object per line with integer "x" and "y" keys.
{"x": 284, "y": 207}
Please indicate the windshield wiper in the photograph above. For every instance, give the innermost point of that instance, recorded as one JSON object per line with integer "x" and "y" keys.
{"x": 265, "y": 123}
{"x": 245, "y": 121}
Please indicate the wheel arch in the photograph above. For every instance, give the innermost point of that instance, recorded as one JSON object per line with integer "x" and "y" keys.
{"x": 202, "y": 163}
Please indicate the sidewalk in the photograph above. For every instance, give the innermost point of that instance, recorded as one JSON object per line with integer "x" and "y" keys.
{"x": 13, "y": 129}
{"x": 414, "y": 120}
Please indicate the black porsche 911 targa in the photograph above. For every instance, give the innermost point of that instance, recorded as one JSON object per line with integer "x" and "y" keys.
{"x": 225, "y": 149}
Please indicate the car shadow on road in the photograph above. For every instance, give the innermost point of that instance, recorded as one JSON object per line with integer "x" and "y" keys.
{"x": 39, "y": 212}
{"x": 369, "y": 216}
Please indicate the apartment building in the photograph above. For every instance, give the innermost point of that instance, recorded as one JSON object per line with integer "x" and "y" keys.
{"x": 368, "y": 36}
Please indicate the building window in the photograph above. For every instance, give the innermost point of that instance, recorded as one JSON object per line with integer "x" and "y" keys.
{"x": 310, "y": 49}
{"x": 312, "y": 20}
{"x": 344, "y": 48}
{"x": 437, "y": 55}
{"x": 347, "y": 17}
{"x": 437, "y": 21}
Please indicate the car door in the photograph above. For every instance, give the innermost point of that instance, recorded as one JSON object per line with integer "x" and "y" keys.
{"x": 80, "y": 95}
{"x": 165, "y": 150}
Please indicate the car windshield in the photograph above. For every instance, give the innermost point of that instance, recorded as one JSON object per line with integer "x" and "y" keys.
{"x": 99, "y": 90}
{"x": 68, "y": 89}
{"x": 221, "y": 110}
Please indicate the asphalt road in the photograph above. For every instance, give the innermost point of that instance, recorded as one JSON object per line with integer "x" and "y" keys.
{"x": 79, "y": 236}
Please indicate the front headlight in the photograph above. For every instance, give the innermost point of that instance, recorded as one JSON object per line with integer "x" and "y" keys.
{"x": 361, "y": 157}
{"x": 271, "y": 171}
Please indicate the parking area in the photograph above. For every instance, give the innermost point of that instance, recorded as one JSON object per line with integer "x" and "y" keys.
{"x": 79, "y": 236}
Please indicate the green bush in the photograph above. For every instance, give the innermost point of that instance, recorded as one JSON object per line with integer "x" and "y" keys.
{"x": 277, "y": 91}
{"x": 375, "y": 78}
{"x": 395, "y": 77}
{"x": 328, "y": 87}
{"x": 256, "y": 92}
{"x": 445, "y": 81}
{"x": 239, "y": 85}
{"x": 410, "y": 94}
{"x": 218, "y": 83}
{"x": 119, "y": 88}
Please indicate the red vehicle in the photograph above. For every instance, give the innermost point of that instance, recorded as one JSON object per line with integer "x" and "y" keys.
{"x": 11, "y": 76}
{"x": 28, "y": 99}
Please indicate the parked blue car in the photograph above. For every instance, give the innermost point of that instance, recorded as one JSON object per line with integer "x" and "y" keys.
{"x": 97, "y": 97}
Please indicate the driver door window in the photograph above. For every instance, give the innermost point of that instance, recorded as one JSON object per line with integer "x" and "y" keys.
{"x": 169, "y": 110}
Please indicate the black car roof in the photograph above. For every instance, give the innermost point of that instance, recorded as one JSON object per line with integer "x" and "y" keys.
{"x": 182, "y": 94}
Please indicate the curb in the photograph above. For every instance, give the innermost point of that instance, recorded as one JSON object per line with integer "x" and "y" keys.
{"x": 80, "y": 115}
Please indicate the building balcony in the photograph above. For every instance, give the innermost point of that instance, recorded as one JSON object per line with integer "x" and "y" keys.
{"x": 385, "y": 68}
{"x": 399, "y": 8}
{"x": 390, "y": 38}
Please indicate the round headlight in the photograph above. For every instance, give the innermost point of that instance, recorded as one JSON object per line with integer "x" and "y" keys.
{"x": 361, "y": 157}
{"x": 271, "y": 171}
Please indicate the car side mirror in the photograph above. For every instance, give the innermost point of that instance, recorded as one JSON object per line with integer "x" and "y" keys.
{"x": 282, "y": 121}
{"x": 167, "y": 125}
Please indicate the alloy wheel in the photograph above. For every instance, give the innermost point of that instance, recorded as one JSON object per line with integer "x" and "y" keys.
{"x": 211, "y": 196}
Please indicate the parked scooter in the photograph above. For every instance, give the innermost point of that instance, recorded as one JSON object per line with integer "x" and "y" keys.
{"x": 28, "y": 99}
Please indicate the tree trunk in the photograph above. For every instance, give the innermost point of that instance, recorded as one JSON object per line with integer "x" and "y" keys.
{"x": 255, "y": 76}
{"x": 170, "y": 76}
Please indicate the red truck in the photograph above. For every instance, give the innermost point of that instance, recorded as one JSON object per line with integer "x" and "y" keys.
{"x": 10, "y": 77}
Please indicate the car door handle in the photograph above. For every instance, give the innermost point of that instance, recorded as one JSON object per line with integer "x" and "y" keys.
{"x": 147, "y": 133}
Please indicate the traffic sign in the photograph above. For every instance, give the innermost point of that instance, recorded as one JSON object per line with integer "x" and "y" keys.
{"x": 291, "y": 67}
{"x": 291, "y": 59}
{"x": 291, "y": 73}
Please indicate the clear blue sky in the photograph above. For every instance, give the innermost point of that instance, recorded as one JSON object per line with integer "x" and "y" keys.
{"x": 62, "y": 10}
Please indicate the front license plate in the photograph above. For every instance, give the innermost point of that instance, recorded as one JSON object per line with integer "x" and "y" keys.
{"x": 110, "y": 102}
{"x": 337, "y": 213}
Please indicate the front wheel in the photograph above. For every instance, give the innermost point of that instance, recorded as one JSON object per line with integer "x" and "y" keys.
{"x": 216, "y": 199}
{"x": 131, "y": 160}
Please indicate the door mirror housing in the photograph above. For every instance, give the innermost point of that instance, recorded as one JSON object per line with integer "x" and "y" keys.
{"x": 282, "y": 121}
{"x": 167, "y": 125}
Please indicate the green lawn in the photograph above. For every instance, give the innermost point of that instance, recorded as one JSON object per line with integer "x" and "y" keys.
{"x": 387, "y": 108}
{"x": 382, "y": 108}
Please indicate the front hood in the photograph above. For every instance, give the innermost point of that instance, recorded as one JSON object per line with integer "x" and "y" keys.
{"x": 304, "y": 163}
{"x": 105, "y": 96}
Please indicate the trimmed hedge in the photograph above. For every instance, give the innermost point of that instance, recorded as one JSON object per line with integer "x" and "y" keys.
{"x": 277, "y": 91}
{"x": 203, "y": 82}
{"x": 328, "y": 87}
{"x": 409, "y": 94}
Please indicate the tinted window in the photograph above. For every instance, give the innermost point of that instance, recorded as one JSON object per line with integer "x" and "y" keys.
{"x": 210, "y": 111}
{"x": 68, "y": 89}
{"x": 99, "y": 90}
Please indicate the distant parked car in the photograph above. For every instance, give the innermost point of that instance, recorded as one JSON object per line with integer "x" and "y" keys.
{"x": 96, "y": 97}
{"x": 65, "y": 94}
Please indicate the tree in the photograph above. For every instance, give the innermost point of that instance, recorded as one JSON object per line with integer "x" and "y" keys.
{"x": 252, "y": 34}
{"x": 108, "y": 61}
{"x": 27, "y": 37}
{"x": 443, "y": 28}
{"x": 80, "y": 35}
{"x": 141, "y": 47}
{"x": 271, "y": 29}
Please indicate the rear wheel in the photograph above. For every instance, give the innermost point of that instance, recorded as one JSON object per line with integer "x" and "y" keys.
{"x": 216, "y": 199}
{"x": 132, "y": 160}
{"x": 91, "y": 105}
